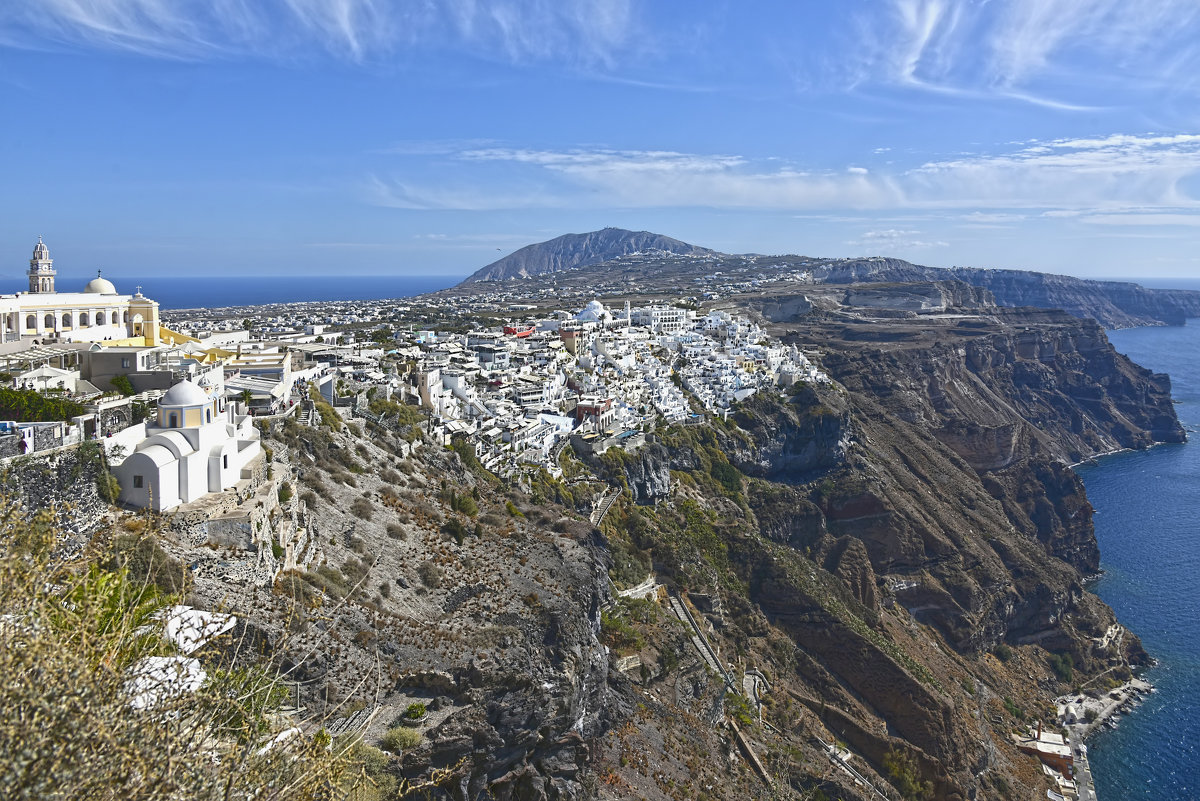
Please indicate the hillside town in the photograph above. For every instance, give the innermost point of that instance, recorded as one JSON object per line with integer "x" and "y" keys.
{"x": 174, "y": 406}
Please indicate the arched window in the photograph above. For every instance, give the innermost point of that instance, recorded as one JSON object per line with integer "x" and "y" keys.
{"x": 30, "y": 323}
{"x": 49, "y": 322}
{"x": 126, "y": 317}
{"x": 100, "y": 320}
{"x": 66, "y": 321}
{"x": 172, "y": 420}
{"x": 208, "y": 415}
{"x": 83, "y": 320}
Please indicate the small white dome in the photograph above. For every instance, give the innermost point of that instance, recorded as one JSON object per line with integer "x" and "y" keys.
{"x": 100, "y": 286}
{"x": 594, "y": 312}
{"x": 185, "y": 393}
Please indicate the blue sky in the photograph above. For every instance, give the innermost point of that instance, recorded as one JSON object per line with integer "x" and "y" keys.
{"x": 366, "y": 136}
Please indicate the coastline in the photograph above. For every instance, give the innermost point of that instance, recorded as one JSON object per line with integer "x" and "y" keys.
{"x": 1073, "y": 711}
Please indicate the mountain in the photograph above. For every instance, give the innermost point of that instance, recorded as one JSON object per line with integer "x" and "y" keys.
{"x": 580, "y": 250}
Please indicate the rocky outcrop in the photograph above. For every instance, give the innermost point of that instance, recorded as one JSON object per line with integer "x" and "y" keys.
{"x": 793, "y": 441}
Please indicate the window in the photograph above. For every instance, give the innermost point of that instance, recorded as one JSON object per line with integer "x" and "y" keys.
{"x": 138, "y": 482}
{"x": 66, "y": 321}
{"x": 225, "y": 461}
{"x": 172, "y": 420}
{"x": 30, "y": 322}
{"x": 83, "y": 320}
{"x": 208, "y": 415}
{"x": 124, "y": 364}
{"x": 49, "y": 321}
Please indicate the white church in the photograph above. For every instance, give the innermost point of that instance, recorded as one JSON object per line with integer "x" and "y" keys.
{"x": 97, "y": 313}
{"x": 194, "y": 447}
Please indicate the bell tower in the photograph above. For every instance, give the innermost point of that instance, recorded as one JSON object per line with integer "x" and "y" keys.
{"x": 41, "y": 269}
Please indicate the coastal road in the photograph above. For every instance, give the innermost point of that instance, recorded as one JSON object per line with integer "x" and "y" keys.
{"x": 1083, "y": 768}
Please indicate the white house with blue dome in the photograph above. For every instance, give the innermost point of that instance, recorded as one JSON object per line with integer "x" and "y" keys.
{"x": 193, "y": 447}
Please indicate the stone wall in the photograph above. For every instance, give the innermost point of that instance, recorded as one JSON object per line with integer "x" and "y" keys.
{"x": 63, "y": 480}
{"x": 232, "y": 536}
{"x": 10, "y": 446}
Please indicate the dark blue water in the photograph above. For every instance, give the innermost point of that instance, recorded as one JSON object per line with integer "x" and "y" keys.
{"x": 256, "y": 290}
{"x": 1148, "y": 525}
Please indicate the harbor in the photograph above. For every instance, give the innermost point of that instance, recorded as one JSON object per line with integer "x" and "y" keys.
{"x": 1082, "y": 714}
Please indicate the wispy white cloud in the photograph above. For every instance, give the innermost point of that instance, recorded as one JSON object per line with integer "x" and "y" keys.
{"x": 1011, "y": 49}
{"x": 1189, "y": 220}
{"x": 894, "y": 239}
{"x": 587, "y": 32}
{"x": 1117, "y": 174}
{"x": 1082, "y": 173}
{"x": 643, "y": 178}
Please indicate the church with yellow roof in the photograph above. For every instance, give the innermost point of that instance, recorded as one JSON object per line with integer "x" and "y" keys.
{"x": 96, "y": 314}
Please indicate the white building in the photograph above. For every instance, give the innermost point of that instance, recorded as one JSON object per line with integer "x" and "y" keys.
{"x": 194, "y": 447}
{"x": 97, "y": 313}
{"x": 661, "y": 319}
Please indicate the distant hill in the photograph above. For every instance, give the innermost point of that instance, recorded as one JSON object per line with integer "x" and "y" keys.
{"x": 580, "y": 250}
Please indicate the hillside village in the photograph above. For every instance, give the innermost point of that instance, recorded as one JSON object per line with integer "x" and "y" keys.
{"x": 175, "y": 408}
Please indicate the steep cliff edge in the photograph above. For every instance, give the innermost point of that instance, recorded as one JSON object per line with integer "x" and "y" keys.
{"x": 876, "y": 543}
{"x": 1116, "y": 304}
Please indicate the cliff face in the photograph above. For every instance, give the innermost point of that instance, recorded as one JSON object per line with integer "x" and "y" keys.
{"x": 896, "y": 527}
{"x": 1115, "y": 304}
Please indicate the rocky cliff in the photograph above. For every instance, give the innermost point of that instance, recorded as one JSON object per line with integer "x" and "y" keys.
{"x": 875, "y": 542}
{"x": 1116, "y": 304}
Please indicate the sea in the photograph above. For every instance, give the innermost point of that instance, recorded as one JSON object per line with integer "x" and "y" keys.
{"x": 256, "y": 290}
{"x": 1148, "y": 526}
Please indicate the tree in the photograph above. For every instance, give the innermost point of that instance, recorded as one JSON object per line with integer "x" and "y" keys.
{"x": 122, "y": 384}
{"x": 248, "y": 324}
{"x": 245, "y": 397}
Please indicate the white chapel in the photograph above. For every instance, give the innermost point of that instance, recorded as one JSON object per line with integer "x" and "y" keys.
{"x": 195, "y": 446}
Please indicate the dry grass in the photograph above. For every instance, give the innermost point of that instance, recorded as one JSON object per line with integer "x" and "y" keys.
{"x": 71, "y": 636}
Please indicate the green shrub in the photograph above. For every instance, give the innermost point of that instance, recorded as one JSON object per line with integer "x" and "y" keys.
{"x": 1002, "y": 652}
{"x": 617, "y": 634}
{"x": 107, "y": 486}
{"x": 727, "y": 476}
{"x": 455, "y": 529}
{"x": 400, "y": 739}
{"x": 122, "y": 384}
{"x": 430, "y": 574}
{"x": 362, "y": 508}
{"x": 415, "y": 711}
{"x": 1062, "y": 666}
{"x": 465, "y": 504}
{"x": 29, "y": 406}
{"x": 285, "y": 492}
{"x": 902, "y": 769}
